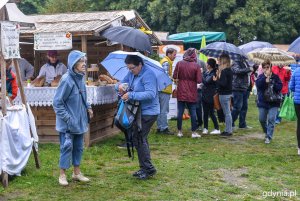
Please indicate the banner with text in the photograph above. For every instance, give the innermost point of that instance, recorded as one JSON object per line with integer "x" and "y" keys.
{"x": 10, "y": 33}
{"x": 53, "y": 41}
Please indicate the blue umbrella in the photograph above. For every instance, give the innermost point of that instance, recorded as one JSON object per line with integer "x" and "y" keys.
{"x": 295, "y": 46}
{"x": 248, "y": 47}
{"x": 217, "y": 48}
{"x": 114, "y": 63}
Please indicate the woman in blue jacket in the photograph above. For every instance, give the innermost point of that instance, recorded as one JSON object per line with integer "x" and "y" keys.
{"x": 70, "y": 105}
{"x": 295, "y": 87}
{"x": 143, "y": 88}
{"x": 267, "y": 110}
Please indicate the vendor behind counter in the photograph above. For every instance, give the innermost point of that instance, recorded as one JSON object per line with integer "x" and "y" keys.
{"x": 53, "y": 68}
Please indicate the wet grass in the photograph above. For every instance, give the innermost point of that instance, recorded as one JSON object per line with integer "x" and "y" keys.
{"x": 210, "y": 168}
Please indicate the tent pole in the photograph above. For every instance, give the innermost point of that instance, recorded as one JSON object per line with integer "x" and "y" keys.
{"x": 4, "y": 179}
{"x": 23, "y": 98}
{"x": 3, "y": 85}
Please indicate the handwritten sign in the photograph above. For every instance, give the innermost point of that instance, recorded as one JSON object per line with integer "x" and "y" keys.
{"x": 53, "y": 41}
{"x": 10, "y": 33}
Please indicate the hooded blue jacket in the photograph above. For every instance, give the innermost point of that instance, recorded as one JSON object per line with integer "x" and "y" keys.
{"x": 71, "y": 112}
{"x": 295, "y": 85}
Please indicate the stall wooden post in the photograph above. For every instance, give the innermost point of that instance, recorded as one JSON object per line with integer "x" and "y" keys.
{"x": 4, "y": 175}
{"x": 84, "y": 49}
{"x": 4, "y": 181}
{"x": 36, "y": 62}
{"x": 23, "y": 98}
{"x": 3, "y": 84}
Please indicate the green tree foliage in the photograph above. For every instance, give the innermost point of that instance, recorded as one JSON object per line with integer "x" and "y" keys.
{"x": 276, "y": 21}
{"x": 31, "y": 6}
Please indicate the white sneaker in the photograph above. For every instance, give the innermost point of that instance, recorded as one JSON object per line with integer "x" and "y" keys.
{"x": 299, "y": 151}
{"x": 205, "y": 131}
{"x": 80, "y": 177}
{"x": 62, "y": 180}
{"x": 215, "y": 132}
{"x": 180, "y": 134}
{"x": 267, "y": 141}
{"x": 195, "y": 135}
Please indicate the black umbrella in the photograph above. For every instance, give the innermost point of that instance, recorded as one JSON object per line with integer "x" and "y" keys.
{"x": 128, "y": 36}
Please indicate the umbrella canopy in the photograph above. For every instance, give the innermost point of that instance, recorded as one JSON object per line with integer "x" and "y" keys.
{"x": 217, "y": 48}
{"x": 128, "y": 36}
{"x": 114, "y": 63}
{"x": 248, "y": 47}
{"x": 275, "y": 55}
{"x": 196, "y": 37}
{"x": 295, "y": 46}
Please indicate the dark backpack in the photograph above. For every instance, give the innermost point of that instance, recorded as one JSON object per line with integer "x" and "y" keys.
{"x": 127, "y": 116}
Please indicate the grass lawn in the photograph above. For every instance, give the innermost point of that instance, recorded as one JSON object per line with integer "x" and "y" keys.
{"x": 241, "y": 167}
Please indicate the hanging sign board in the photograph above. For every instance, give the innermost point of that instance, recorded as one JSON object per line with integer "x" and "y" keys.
{"x": 53, "y": 41}
{"x": 10, "y": 33}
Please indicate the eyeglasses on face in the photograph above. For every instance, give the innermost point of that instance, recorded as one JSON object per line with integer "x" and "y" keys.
{"x": 131, "y": 68}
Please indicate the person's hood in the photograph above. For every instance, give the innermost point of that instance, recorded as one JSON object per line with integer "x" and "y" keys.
{"x": 190, "y": 55}
{"x": 74, "y": 56}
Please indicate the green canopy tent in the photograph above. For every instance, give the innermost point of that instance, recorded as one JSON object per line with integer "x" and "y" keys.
{"x": 193, "y": 39}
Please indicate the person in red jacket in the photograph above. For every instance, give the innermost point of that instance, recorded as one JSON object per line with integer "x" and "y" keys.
{"x": 285, "y": 75}
{"x": 188, "y": 74}
{"x": 11, "y": 81}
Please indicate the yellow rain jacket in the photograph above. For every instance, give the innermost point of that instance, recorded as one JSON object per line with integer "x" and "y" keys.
{"x": 168, "y": 89}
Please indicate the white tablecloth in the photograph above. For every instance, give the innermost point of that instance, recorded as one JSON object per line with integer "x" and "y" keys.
{"x": 43, "y": 96}
{"x": 15, "y": 141}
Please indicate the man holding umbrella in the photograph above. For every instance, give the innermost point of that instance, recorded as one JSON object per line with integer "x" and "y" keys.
{"x": 164, "y": 96}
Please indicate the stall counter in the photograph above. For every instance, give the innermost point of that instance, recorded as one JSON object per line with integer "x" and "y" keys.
{"x": 104, "y": 103}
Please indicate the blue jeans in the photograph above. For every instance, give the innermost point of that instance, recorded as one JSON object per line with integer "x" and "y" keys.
{"x": 199, "y": 108}
{"x": 225, "y": 104}
{"x": 240, "y": 107}
{"x": 192, "y": 109}
{"x": 71, "y": 147}
{"x": 162, "y": 118}
{"x": 267, "y": 119}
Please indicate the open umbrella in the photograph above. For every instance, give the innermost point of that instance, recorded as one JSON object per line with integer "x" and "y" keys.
{"x": 295, "y": 46}
{"x": 114, "y": 63}
{"x": 128, "y": 36}
{"x": 275, "y": 55}
{"x": 248, "y": 47}
{"x": 217, "y": 48}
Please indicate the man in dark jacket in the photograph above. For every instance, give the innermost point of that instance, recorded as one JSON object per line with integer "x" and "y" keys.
{"x": 240, "y": 83}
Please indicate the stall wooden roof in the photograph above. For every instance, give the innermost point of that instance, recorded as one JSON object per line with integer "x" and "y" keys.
{"x": 87, "y": 23}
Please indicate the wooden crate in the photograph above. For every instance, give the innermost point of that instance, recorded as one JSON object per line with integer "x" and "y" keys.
{"x": 99, "y": 128}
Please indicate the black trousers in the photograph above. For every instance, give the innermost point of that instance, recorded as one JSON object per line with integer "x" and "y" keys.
{"x": 208, "y": 110}
{"x": 297, "y": 108}
{"x": 199, "y": 109}
{"x": 140, "y": 141}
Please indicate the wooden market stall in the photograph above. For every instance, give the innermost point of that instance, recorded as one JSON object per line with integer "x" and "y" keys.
{"x": 85, "y": 29}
